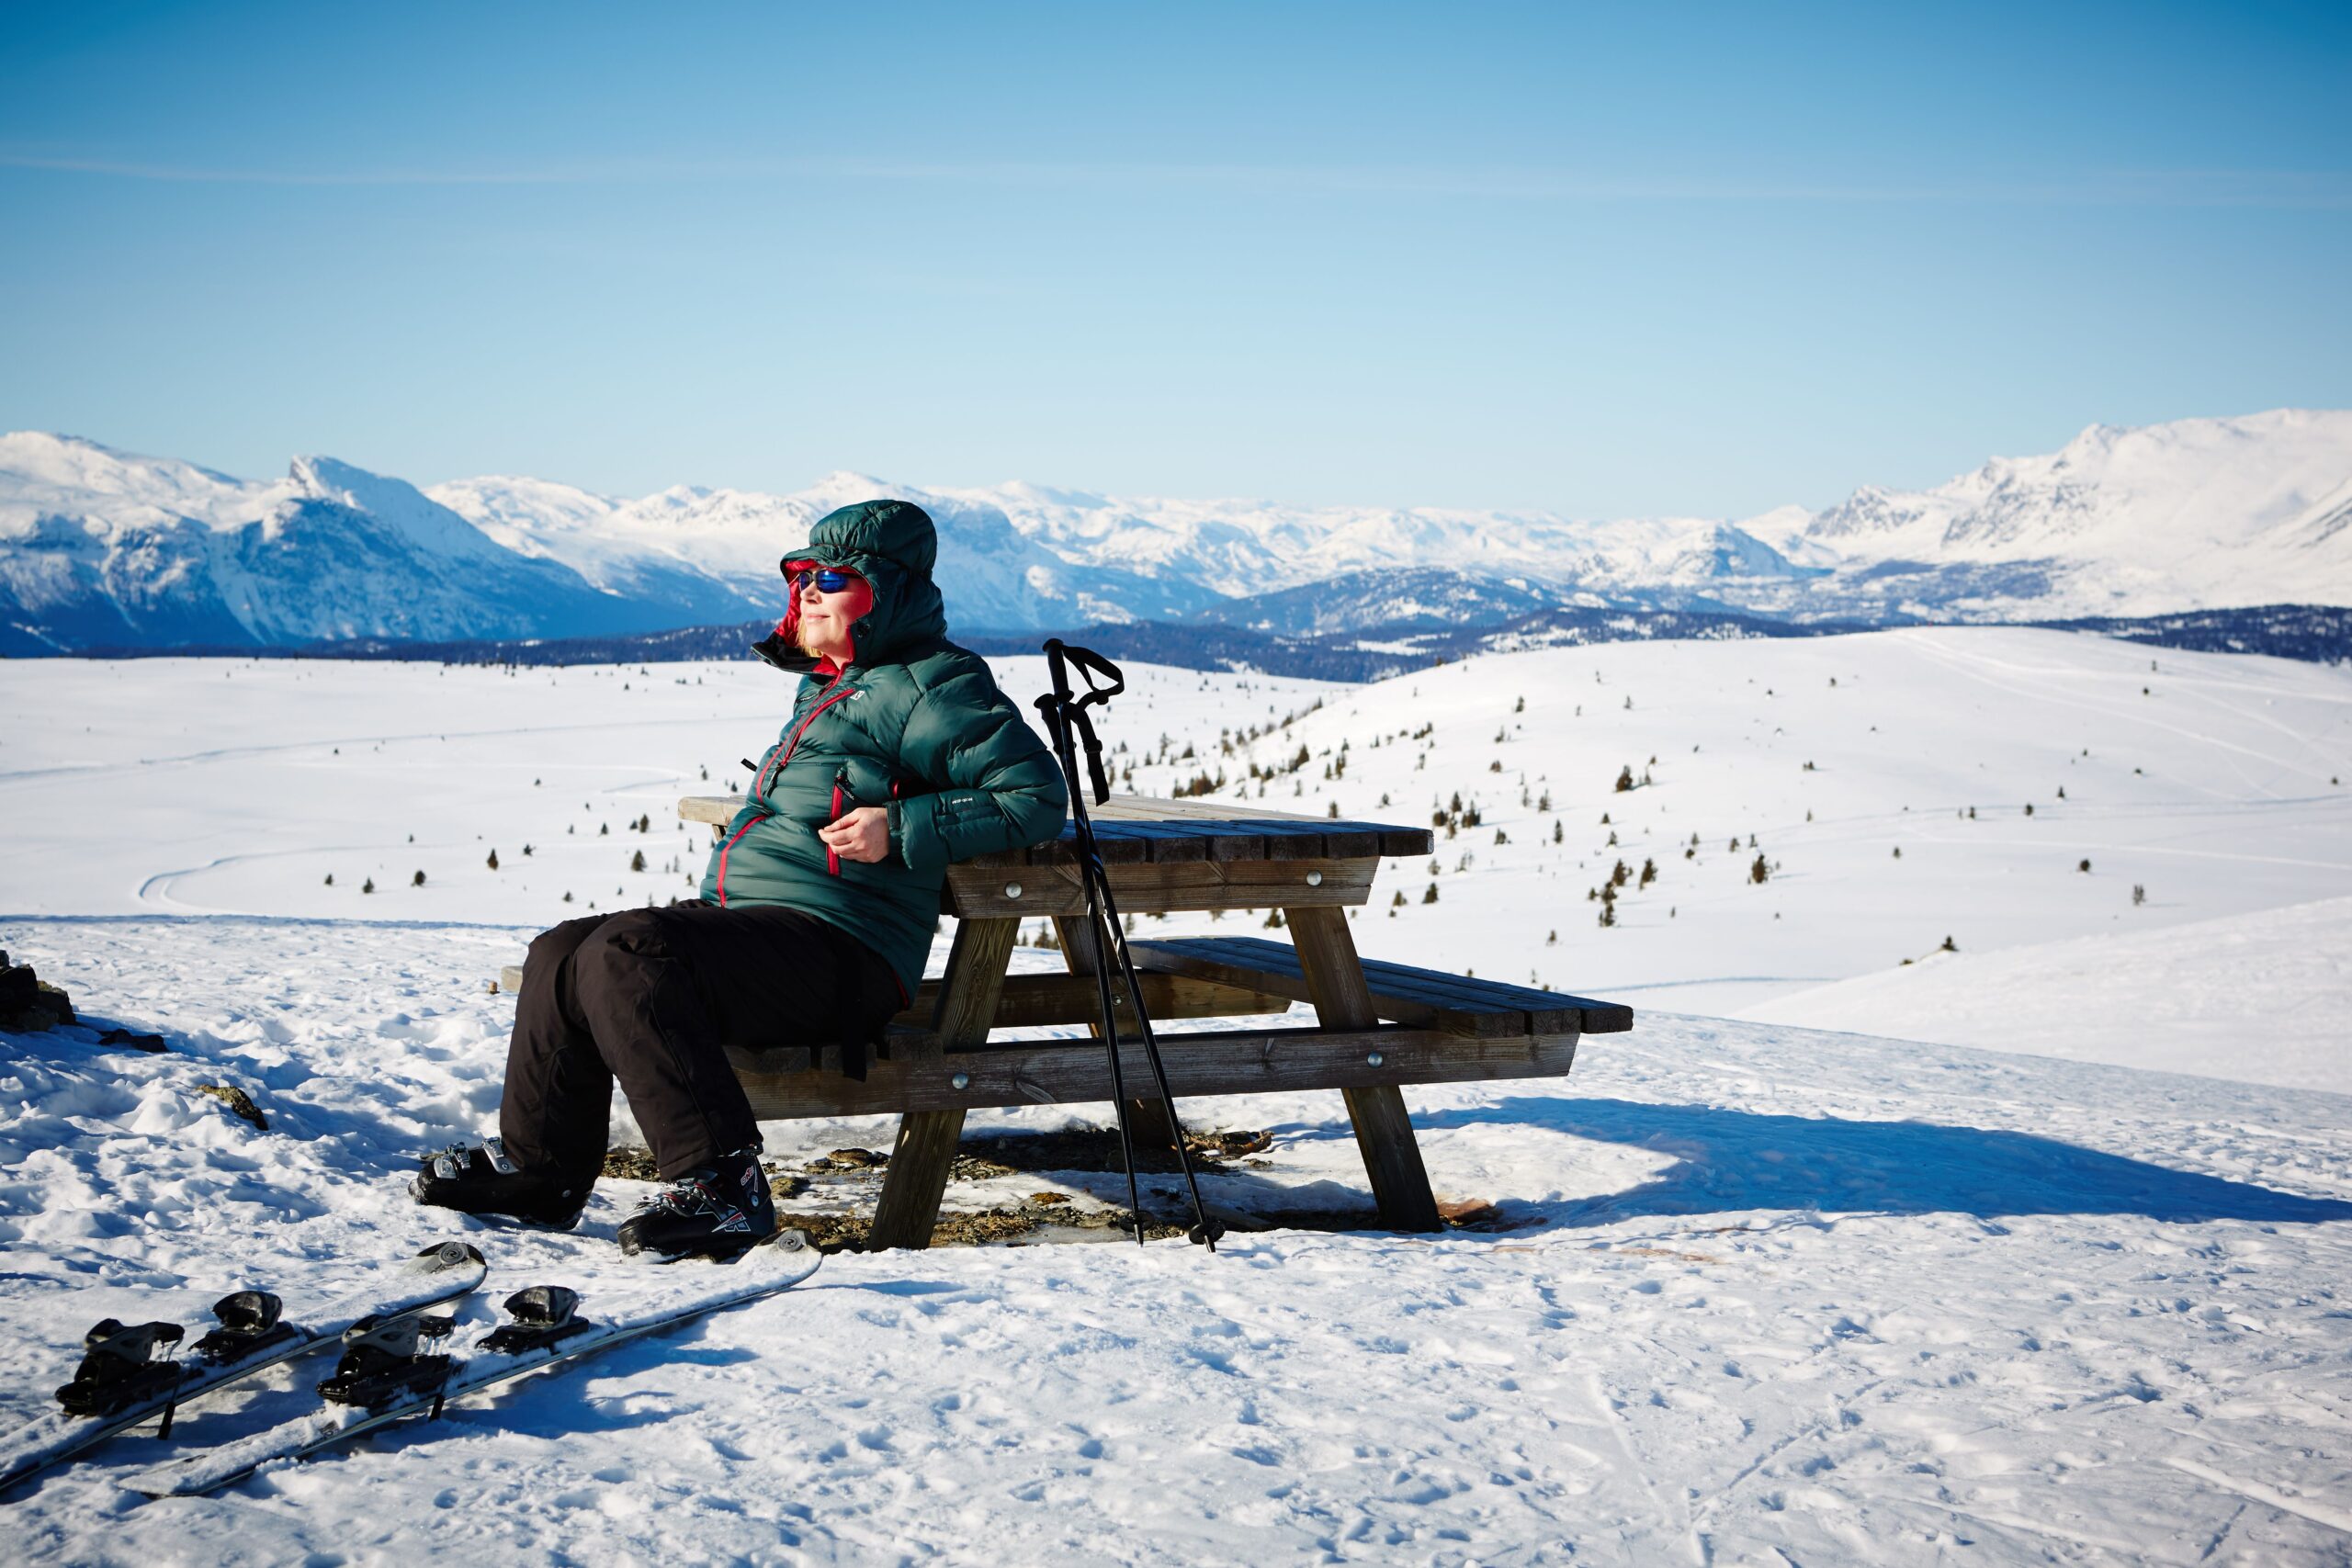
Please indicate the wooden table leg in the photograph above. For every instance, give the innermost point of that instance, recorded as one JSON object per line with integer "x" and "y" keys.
{"x": 1326, "y": 953}
{"x": 917, "y": 1179}
{"x": 1150, "y": 1120}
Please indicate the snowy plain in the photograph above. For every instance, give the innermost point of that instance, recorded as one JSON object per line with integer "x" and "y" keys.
{"x": 1765, "y": 1293}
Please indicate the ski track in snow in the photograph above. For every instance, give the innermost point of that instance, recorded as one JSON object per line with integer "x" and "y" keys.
{"x": 1769, "y": 1294}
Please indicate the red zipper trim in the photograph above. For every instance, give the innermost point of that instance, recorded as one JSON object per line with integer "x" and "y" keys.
{"x": 832, "y": 856}
{"x": 760, "y": 786}
{"x": 729, "y": 845}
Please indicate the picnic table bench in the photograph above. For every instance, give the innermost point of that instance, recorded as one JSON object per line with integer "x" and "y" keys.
{"x": 1379, "y": 1025}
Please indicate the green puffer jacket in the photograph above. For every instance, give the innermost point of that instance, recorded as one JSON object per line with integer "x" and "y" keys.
{"x": 914, "y": 723}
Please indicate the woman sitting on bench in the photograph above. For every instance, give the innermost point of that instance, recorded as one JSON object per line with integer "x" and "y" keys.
{"x": 816, "y": 914}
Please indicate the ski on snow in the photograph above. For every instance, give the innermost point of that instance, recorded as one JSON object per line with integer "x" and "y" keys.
{"x": 388, "y": 1374}
{"x": 122, "y": 1382}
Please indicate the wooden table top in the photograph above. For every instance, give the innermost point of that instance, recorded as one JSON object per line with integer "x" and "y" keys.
{"x": 1133, "y": 830}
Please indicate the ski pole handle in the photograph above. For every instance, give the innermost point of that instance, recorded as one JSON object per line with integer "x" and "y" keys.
{"x": 1090, "y": 665}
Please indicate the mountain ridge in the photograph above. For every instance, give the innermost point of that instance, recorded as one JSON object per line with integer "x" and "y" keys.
{"x": 100, "y": 545}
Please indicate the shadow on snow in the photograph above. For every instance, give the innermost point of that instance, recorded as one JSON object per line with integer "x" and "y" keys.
{"x": 1731, "y": 1160}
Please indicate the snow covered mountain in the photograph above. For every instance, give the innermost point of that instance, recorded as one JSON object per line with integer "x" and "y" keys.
{"x": 2194, "y": 514}
{"x": 2198, "y": 513}
{"x": 99, "y": 547}
{"x": 994, "y": 574}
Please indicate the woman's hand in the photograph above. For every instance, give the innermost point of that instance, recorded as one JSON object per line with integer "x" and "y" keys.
{"x": 862, "y": 834}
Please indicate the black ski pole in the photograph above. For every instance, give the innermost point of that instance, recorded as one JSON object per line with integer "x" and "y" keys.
{"x": 1063, "y": 717}
{"x": 1066, "y": 721}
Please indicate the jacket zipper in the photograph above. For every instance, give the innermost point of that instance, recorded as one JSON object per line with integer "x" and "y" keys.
{"x": 760, "y": 785}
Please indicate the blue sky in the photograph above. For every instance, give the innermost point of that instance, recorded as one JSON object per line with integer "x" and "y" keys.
{"x": 1602, "y": 260}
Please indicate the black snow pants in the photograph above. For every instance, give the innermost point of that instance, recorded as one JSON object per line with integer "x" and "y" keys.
{"x": 648, "y": 997}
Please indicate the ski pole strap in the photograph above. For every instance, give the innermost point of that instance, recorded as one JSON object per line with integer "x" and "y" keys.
{"x": 1069, "y": 709}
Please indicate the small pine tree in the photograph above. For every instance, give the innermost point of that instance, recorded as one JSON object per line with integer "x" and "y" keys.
{"x": 2084, "y": 866}
{"x": 330, "y": 879}
{"x": 1649, "y": 871}
{"x": 1759, "y": 872}
{"x": 1624, "y": 778}
{"x": 418, "y": 881}
{"x": 1429, "y": 895}
{"x": 604, "y": 830}
{"x": 1554, "y": 940}
{"x": 1501, "y": 837}
{"x": 492, "y": 862}
{"x": 1559, "y": 833}
{"x": 1398, "y": 902}
{"x": 1274, "y": 921}
{"x": 368, "y": 886}
{"x": 637, "y": 860}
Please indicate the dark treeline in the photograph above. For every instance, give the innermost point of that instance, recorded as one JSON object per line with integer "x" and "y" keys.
{"x": 2314, "y": 633}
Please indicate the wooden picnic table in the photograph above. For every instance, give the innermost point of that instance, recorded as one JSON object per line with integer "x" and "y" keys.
{"x": 1164, "y": 856}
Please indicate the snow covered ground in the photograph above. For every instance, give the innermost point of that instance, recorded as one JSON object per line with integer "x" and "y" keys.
{"x": 2255, "y": 996}
{"x": 1767, "y": 1294}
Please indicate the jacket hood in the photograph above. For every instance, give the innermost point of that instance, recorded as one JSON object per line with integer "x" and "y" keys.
{"x": 893, "y": 545}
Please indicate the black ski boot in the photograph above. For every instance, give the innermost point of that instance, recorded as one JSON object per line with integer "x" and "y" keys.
{"x": 482, "y": 1178}
{"x": 717, "y": 1212}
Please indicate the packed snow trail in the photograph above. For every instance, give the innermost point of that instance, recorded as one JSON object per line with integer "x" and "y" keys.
{"x": 1770, "y": 1291}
